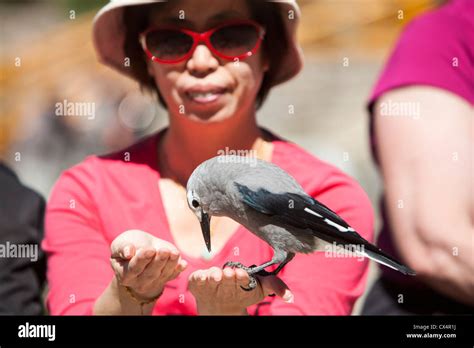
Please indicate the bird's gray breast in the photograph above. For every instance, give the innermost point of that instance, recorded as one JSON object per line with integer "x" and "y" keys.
{"x": 225, "y": 199}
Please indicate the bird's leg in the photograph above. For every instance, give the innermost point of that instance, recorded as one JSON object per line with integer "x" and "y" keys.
{"x": 279, "y": 256}
{"x": 289, "y": 257}
{"x": 233, "y": 264}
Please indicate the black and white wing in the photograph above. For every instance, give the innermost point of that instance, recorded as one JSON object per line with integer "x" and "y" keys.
{"x": 304, "y": 212}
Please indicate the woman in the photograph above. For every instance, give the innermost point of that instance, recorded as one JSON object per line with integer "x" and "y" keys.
{"x": 430, "y": 78}
{"x": 211, "y": 64}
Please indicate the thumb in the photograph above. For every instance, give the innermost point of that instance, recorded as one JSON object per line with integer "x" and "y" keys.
{"x": 274, "y": 285}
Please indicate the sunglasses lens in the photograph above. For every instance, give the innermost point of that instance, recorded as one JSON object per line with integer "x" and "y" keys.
{"x": 235, "y": 40}
{"x": 168, "y": 45}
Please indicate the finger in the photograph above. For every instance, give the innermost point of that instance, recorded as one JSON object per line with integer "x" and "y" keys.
{"x": 162, "y": 244}
{"x": 242, "y": 278}
{"x": 193, "y": 277}
{"x": 154, "y": 270}
{"x": 200, "y": 277}
{"x": 118, "y": 265}
{"x": 182, "y": 264}
{"x": 228, "y": 278}
{"x": 123, "y": 250}
{"x": 196, "y": 280}
{"x": 274, "y": 285}
{"x": 138, "y": 263}
{"x": 170, "y": 265}
{"x": 180, "y": 267}
{"x": 215, "y": 276}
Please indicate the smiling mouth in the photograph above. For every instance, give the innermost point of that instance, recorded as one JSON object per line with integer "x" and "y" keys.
{"x": 205, "y": 97}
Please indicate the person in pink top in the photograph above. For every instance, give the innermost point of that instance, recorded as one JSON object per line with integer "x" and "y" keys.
{"x": 119, "y": 234}
{"x": 421, "y": 114}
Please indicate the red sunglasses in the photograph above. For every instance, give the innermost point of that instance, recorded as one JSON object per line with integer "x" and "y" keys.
{"x": 235, "y": 40}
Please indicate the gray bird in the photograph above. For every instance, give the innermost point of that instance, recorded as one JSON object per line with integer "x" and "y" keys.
{"x": 271, "y": 204}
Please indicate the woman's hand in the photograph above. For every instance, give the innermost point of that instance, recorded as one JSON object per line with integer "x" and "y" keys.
{"x": 219, "y": 292}
{"x": 144, "y": 263}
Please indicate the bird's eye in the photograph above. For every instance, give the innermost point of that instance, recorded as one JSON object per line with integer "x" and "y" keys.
{"x": 195, "y": 203}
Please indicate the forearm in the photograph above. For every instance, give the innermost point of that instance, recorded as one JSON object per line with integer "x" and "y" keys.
{"x": 449, "y": 266}
{"x": 116, "y": 301}
{"x": 440, "y": 253}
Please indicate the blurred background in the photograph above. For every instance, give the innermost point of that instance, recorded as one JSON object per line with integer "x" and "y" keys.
{"x": 47, "y": 57}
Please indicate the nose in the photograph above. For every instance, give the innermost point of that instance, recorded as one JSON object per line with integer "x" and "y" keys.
{"x": 202, "y": 62}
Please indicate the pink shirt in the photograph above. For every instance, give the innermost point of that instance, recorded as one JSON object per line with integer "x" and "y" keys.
{"x": 96, "y": 200}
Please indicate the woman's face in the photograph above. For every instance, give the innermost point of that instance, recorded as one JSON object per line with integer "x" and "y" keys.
{"x": 206, "y": 87}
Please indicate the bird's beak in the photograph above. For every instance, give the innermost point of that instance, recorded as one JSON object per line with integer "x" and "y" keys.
{"x": 206, "y": 229}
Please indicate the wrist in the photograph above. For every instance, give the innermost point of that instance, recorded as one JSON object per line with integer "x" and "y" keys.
{"x": 142, "y": 299}
{"x": 132, "y": 302}
{"x": 129, "y": 292}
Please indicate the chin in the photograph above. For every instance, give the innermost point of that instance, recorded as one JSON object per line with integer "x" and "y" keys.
{"x": 210, "y": 117}
{"x": 210, "y": 114}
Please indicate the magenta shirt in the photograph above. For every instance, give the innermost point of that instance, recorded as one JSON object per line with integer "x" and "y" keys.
{"x": 436, "y": 49}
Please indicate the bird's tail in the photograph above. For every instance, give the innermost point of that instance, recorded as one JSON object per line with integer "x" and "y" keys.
{"x": 384, "y": 259}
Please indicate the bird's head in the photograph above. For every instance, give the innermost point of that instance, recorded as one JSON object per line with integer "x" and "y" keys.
{"x": 200, "y": 209}
{"x": 207, "y": 191}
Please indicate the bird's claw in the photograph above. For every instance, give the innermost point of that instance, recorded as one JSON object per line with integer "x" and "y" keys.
{"x": 233, "y": 264}
{"x": 252, "y": 284}
{"x": 253, "y": 281}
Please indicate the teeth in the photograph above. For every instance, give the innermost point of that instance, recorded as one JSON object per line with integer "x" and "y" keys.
{"x": 202, "y": 95}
